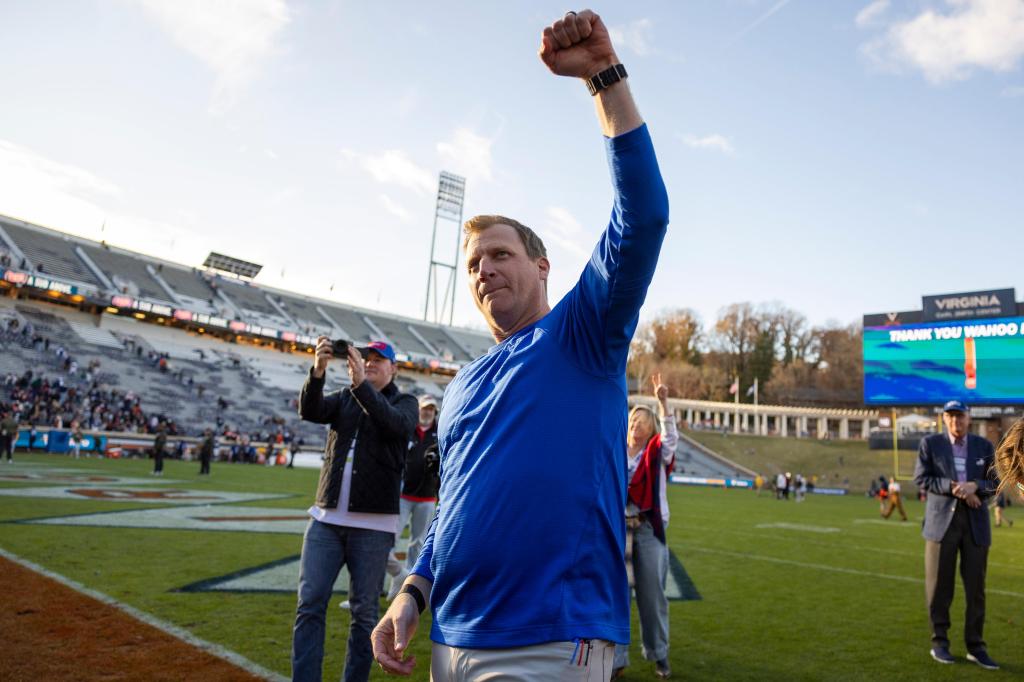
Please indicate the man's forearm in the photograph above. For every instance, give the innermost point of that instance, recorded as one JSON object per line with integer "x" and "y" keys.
{"x": 422, "y": 584}
{"x": 616, "y": 110}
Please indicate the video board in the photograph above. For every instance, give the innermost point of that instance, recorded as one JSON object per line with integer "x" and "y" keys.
{"x": 978, "y": 361}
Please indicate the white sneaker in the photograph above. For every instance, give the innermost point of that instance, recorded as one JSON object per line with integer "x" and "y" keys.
{"x": 396, "y": 583}
{"x": 345, "y": 605}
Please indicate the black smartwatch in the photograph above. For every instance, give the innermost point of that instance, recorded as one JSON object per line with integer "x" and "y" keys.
{"x": 417, "y": 594}
{"x": 606, "y": 78}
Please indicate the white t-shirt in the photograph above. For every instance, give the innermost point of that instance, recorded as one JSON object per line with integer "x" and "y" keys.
{"x": 340, "y": 516}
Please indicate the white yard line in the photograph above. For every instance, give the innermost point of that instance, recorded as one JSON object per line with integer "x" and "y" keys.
{"x": 173, "y": 630}
{"x": 833, "y": 569}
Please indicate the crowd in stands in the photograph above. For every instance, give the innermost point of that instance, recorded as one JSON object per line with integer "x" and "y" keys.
{"x": 79, "y": 396}
{"x": 43, "y": 401}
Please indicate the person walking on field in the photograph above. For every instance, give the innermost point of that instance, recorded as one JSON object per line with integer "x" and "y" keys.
{"x": 206, "y": 453}
{"x": 8, "y": 435}
{"x": 894, "y": 500}
{"x": 523, "y": 564}
{"x": 77, "y": 438}
{"x": 998, "y": 506}
{"x": 649, "y": 458}
{"x": 159, "y": 443}
{"x": 355, "y": 516}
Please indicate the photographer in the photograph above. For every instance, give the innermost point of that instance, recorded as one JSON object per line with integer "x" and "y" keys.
{"x": 355, "y": 516}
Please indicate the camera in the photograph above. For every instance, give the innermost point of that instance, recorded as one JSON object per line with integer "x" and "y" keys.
{"x": 339, "y": 347}
{"x": 432, "y": 459}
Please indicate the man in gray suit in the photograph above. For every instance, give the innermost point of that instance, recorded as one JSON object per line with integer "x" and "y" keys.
{"x": 956, "y": 468}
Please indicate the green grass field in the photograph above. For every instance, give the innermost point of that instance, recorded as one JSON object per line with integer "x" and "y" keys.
{"x": 836, "y": 463}
{"x": 811, "y": 591}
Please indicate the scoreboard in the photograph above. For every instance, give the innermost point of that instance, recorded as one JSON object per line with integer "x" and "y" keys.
{"x": 910, "y": 360}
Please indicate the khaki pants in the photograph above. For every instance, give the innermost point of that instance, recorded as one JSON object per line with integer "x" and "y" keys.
{"x": 894, "y": 502}
{"x": 551, "y": 661}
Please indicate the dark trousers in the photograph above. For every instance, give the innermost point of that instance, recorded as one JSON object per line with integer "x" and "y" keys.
{"x": 940, "y": 559}
{"x": 204, "y": 465}
{"x": 6, "y": 442}
{"x": 158, "y": 461}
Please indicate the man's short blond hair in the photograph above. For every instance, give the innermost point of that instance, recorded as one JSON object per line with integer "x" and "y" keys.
{"x": 533, "y": 244}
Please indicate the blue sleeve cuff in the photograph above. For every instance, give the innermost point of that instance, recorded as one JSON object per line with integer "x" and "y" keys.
{"x": 635, "y": 137}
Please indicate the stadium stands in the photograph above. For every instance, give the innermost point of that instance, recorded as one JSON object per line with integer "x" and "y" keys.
{"x": 49, "y": 252}
{"x": 151, "y": 281}
{"x": 121, "y": 266}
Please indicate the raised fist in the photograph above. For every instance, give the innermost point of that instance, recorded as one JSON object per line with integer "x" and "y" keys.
{"x": 577, "y": 45}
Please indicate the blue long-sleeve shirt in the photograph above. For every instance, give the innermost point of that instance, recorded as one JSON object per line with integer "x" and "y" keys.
{"x": 527, "y": 543}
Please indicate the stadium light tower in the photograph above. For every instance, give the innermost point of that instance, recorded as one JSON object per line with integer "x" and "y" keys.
{"x": 451, "y": 190}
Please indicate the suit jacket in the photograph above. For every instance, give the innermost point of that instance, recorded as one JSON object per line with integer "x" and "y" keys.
{"x": 936, "y": 473}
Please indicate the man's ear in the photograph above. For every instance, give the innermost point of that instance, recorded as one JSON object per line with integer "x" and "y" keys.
{"x": 544, "y": 265}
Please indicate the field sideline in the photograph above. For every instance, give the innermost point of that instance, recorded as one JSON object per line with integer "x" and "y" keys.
{"x": 811, "y": 591}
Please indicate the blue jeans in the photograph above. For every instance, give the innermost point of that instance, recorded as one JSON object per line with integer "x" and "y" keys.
{"x": 325, "y": 549}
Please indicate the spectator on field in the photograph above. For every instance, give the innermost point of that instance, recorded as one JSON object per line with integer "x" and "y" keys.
{"x": 957, "y": 468}
{"x": 206, "y": 452}
{"x": 159, "y": 443}
{"x": 894, "y": 500}
{"x": 800, "y": 487}
{"x": 1010, "y": 458}
{"x": 883, "y": 493}
{"x": 419, "y": 492}
{"x": 294, "y": 449}
{"x": 421, "y": 480}
{"x": 355, "y": 517}
{"x": 998, "y": 508}
{"x": 8, "y": 435}
{"x": 780, "y": 485}
{"x": 77, "y": 439}
{"x": 525, "y": 553}
{"x": 649, "y": 458}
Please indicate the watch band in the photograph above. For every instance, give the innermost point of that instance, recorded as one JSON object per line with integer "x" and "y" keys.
{"x": 606, "y": 78}
{"x": 417, "y": 594}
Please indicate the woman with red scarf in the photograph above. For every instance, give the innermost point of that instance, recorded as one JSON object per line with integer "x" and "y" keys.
{"x": 649, "y": 458}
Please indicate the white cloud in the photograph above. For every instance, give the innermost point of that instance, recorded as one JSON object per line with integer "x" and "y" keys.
{"x": 562, "y": 228}
{"x": 36, "y": 188}
{"x": 468, "y": 154}
{"x": 714, "y": 141}
{"x": 872, "y": 13}
{"x": 949, "y": 45}
{"x": 394, "y": 167}
{"x": 634, "y": 36}
{"x": 230, "y": 36}
{"x": 41, "y": 190}
{"x": 1013, "y": 91}
{"x": 395, "y": 209}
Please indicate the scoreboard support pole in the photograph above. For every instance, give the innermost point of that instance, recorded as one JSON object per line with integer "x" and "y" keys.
{"x": 895, "y": 448}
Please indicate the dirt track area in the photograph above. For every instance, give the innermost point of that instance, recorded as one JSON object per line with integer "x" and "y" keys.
{"x": 52, "y": 632}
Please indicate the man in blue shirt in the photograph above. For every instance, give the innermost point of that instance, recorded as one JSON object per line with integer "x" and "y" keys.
{"x": 523, "y": 564}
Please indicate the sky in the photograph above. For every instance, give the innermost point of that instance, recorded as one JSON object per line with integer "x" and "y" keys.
{"x": 839, "y": 158}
